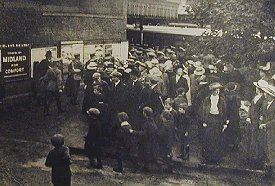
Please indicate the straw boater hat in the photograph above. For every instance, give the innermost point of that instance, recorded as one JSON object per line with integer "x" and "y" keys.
{"x": 261, "y": 84}
{"x": 270, "y": 90}
{"x": 214, "y": 86}
{"x": 199, "y": 71}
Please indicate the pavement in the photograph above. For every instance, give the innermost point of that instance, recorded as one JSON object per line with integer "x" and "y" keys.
{"x": 26, "y": 124}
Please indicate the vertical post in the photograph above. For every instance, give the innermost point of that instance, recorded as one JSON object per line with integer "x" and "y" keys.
{"x": 141, "y": 32}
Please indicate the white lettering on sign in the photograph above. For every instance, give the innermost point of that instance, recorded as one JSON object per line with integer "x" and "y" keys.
{"x": 11, "y": 59}
{"x": 14, "y": 70}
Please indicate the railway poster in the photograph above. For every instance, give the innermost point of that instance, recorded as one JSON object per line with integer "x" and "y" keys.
{"x": 15, "y": 61}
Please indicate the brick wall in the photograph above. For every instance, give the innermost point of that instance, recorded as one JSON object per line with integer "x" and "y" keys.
{"x": 92, "y": 19}
{"x": 41, "y": 22}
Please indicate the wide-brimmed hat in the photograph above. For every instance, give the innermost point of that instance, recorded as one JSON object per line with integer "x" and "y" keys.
{"x": 155, "y": 72}
{"x": 160, "y": 53}
{"x": 270, "y": 90}
{"x": 141, "y": 64}
{"x": 261, "y": 83}
{"x": 264, "y": 86}
{"x": 92, "y": 66}
{"x": 214, "y": 86}
{"x": 115, "y": 73}
{"x": 152, "y": 54}
{"x": 199, "y": 71}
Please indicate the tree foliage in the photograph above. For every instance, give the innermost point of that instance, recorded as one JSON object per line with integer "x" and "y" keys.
{"x": 247, "y": 28}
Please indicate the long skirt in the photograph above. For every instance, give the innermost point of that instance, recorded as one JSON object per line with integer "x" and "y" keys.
{"x": 213, "y": 143}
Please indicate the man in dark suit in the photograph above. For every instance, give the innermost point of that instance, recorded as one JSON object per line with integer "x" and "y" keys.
{"x": 42, "y": 69}
{"x": 175, "y": 81}
{"x": 118, "y": 95}
{"x": 134, "y": 88}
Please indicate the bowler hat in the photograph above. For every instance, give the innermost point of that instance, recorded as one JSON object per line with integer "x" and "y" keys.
{"x": 231, "y": 86}
{"x": 48, "y": 53}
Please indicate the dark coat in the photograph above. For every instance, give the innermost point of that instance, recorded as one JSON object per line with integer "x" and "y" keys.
{"x": 148, "y": 142}
{"x": 123, "y": 138}
{"x": 118, "y": 98}
{"x": 221, "y": 106}
{"x": 255, "y": 144}
{"x": 43, "y": 67}
{"x": 133, "y": 103}
{"x": 94, "y": 135}
{"x": 269, "y": 120}
{"x": 59, "y": 160}
{"x": 182, "y": 123}
{"x": 212, "y": 140}
{"x": 172, "y": 86}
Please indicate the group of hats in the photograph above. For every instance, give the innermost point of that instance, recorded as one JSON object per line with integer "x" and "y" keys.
{"x": 265, "y": 86}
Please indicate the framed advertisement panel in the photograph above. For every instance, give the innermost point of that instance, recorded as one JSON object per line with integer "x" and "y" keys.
{"x": 38, "y": 54}
{"x": 15, "y": 61}
{"x": 68, "y": 50}
{"x": 109, "y": 49}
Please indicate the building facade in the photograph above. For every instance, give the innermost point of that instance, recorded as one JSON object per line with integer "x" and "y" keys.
{"x": 57, "y": 25}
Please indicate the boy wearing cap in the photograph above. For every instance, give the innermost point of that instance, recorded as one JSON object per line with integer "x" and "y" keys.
{"x": 123, "y": 139}
{"x": 93, "y": 140}
{"x": 59, "y": 160}
{"x": 182, "y": 123}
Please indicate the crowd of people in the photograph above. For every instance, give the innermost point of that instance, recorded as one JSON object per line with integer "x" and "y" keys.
{"x": 149, "y": 101}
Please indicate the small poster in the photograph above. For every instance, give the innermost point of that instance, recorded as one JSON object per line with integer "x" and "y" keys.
{"x": 38, "y": 54}
{"x": 68, "y": 51}
{"x": 15, "y": 61}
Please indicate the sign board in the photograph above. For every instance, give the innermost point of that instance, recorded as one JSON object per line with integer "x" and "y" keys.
{"x": 15, "y": 61}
